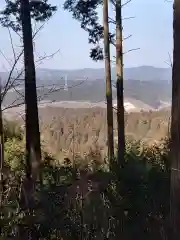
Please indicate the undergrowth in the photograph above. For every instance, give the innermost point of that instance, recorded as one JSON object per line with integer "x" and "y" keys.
{"x": 82, "y": 199}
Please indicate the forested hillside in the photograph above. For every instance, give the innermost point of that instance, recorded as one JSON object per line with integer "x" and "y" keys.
{"x": 96, "y": 173}
{"x": 76, "y": 131}
{"x": 152, "y": 93}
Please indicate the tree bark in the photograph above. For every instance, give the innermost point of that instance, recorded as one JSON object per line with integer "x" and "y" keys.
{"x": 119, "y": 84}
{"x": 175, "y": 128}
{"x": 108, "y": 84}
{"x": 1, "y": 147}
{"x": 33, "y": 148}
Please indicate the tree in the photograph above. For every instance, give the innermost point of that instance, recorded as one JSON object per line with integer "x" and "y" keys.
{"x": 119, "y": 84}
{"x": 175, "y": 127}
{"x": 23, "y": 11}
{"x": 108, "y": 84}
{"x": 1, "y": 147}
{"x": 33, "y": 148}
{"x": 86, "y": 13}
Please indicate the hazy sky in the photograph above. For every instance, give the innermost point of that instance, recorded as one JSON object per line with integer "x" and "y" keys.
{"x": 151, "y": 32}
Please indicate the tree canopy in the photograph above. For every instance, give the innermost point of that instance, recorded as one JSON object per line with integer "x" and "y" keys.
{"x": 86, "y": 12}
{"x": 10, "y": 15}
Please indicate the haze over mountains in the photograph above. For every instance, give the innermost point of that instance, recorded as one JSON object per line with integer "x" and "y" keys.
{"x": 142, "y": 73}
{"x": 145, "y": 87}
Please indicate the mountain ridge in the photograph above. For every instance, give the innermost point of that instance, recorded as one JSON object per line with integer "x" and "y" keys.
{"x": 153, "y": 87}
{"x": 142, "y": 73}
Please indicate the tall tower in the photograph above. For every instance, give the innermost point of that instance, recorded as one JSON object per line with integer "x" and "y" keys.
{"x": 65, "y": 84}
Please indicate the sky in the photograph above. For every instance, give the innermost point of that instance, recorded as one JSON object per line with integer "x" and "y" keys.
{"x": 151, "y": 31}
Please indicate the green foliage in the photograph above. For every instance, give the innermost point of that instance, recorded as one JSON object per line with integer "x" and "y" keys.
{"x": 14, "y": 154}
{"x": 86, "y": 201}
{"x": 12, "y": 130}
{"x": 86, "y": 12}
{"x": 10, "y": 15}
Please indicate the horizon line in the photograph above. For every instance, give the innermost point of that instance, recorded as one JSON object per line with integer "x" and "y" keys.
{"x": 99, "y": 68}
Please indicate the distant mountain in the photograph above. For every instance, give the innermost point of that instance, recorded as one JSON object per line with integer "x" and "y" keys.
{"x": 145, "y": 84}
{"x": 148, "y": 73}
{"x": 142, "y": 73}
{"x": 152, "y": 93}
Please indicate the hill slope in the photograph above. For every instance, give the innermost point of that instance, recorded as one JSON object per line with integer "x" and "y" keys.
{"x": 142, "y": 73}
{"x": 155, "y": 94}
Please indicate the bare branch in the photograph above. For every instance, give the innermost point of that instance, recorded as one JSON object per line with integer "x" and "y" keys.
{"x": 18, "y": 92}
{"x": 53, "y": 90}
{"x": 12, "y": 45}
{"x": 7, "y": 60}
{"x": 169, "y": 62}
{"x": 133, "y": 49}
{"x": 19, "y": 35}
{"x": 42, "y": 26}
{"x": 127, "y": 18}
{"x": 13, "y": 105}
{"x": 124, "y": 4}
{"x": 47, "y": 56}
{"x": 110, "y": 20}
{"x": 9, "y": 84}
{"x": 10, "y": 74}
{"x": 40, "y": 98}
{"x": 113, "y": 2}
{"x": 129, "y": 36}
{"x": 16, "y": 59}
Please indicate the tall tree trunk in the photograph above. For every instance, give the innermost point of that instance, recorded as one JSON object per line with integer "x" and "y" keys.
{"x": 1, "y": 147}
{"x": 175, "y": 128}
{"x": 33, "y": 148}
{"x": 119, "y": 84}
{"x": 108, "y": 84}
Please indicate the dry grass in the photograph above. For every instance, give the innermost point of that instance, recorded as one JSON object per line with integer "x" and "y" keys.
{"x": 71, "y": 132}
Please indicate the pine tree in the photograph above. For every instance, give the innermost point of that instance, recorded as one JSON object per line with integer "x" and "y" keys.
{"x": 86, "y": 13}
{"x": 33, "y": 148}
{"x": 1, "y": 147}
{"x": 175, "y": 128}
{"x": 119, "y": 84}
{"x": 108, "y": 84}
{"x": 22, "y": 11}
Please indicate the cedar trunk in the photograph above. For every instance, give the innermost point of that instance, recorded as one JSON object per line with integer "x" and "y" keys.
{"x": 119, "y": 84}
{"x": 108, "y": 84}
{"x": 175, "y": 128}
{"x": 1, "y": 147}
{"x": 33, "y": 148}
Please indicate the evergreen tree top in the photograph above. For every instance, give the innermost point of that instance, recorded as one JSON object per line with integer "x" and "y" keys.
{"x": 10, "y": 15}
{"x": 86, "y": 12}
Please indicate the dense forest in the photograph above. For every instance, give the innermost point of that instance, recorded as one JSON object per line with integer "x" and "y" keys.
{"x": 65, "y": 131}
{"x": 131, "y": 190}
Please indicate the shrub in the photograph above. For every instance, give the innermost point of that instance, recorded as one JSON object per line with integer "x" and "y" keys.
{"x": 87, "y": 201}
